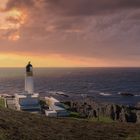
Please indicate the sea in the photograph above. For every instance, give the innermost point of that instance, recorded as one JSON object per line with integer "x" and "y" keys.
{"x": 103, "y": 84}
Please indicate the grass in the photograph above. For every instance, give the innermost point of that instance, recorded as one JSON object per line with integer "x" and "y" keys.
{"x": 2, "y": 102}
{"x": 16, "y": 125}
{"x": 65, "y": 106}
{"x": 137, "y": 137}
{"x": 102, "y": 119}
{"x": 74, "y": 115}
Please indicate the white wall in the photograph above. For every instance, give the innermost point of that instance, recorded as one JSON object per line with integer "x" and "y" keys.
{"x": 29, "y": 84}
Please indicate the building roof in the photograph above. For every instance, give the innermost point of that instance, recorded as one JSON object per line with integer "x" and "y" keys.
{"x": 25, "y": 95}
{"x": 37, "y": 106}
{"x": 52, "y": 99}
{"x": 57, "y": 108}
{"x": 50, "y": 111}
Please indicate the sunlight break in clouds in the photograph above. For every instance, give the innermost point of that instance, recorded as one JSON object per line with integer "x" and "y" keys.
{"x": 11, "y": 22}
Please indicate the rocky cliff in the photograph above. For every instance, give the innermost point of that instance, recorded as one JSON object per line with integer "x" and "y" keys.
{"x": 88, "y": 108}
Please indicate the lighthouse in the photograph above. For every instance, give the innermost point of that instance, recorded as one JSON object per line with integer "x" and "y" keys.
{"x": 29, "y": 83}
{"x": 28, "y": 100}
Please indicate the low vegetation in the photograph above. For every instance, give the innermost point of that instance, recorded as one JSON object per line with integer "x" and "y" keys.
{"x": 102, "y": 119}
{"x": 74, "y": 115}
{"x": 16, "y": 125}
{"x": 2, "y": 102}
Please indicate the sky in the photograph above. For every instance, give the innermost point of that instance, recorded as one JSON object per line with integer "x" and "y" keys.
{"x": 70, "y": 33}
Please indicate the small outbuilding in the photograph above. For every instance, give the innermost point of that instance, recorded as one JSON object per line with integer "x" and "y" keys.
{"x": 57, "y": 106}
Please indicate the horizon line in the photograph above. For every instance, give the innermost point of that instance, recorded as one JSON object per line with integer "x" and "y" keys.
{"x": 80, "y": 67}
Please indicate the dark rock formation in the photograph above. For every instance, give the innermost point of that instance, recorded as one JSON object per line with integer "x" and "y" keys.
{"x": 89, "y": 108}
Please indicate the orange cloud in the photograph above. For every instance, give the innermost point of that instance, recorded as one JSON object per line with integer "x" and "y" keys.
{"x": 3, "y": 4}
{"x": 11, "y": 21}
{"x": 14, "y": 37}
{"x": 16, "y": 16}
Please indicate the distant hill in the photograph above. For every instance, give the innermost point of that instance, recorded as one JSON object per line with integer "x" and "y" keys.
{"x": 25, "y": 126}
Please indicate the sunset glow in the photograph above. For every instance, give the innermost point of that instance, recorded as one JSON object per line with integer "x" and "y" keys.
{"x": 68, "y": 37}
{"x": 3, "y": 4}
{"x": 12, "y": 20}
{"x": 17, "y": 15}
{"x": 45, "y": 61}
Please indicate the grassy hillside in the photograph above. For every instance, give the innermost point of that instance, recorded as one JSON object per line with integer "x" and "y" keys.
{"x": 25, "y": 126}
{"x": 2, "y": 102}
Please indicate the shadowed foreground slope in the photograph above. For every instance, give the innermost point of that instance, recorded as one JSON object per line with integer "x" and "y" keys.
{"x": 18, "y": 126}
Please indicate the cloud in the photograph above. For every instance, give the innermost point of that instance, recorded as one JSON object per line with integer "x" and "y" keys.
{"x": 90, "y": 7}
{"x": 76, "y": 8}
{"x": 19, "y": 4}
{"x": 106, "y": 29}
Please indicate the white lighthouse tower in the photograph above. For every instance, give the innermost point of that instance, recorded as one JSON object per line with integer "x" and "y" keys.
{"x": 29, "y": 83}
{"x": 28, "y": 100}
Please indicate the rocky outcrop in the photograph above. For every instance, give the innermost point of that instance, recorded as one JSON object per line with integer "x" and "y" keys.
{"x": 89, "y": 108}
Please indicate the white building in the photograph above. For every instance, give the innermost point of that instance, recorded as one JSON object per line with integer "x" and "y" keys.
{"x": 28, "y": 100}
{"x": 51, "y": 113}
{"x": 55, "y": 107}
